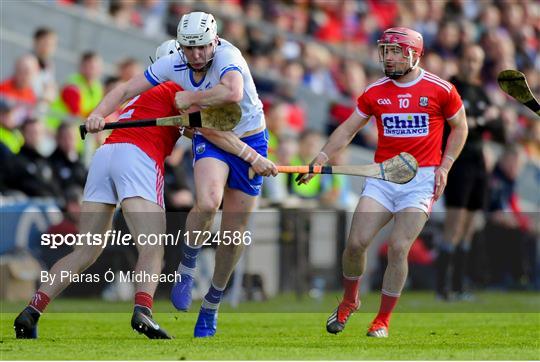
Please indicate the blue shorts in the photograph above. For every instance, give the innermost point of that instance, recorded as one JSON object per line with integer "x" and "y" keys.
{"x": 238, "y": 169}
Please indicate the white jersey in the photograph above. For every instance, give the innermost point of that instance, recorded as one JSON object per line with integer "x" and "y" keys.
{"x": 226, "y": 58}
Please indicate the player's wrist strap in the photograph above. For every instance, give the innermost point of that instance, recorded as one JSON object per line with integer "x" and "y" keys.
{"x": 450, "y": 158}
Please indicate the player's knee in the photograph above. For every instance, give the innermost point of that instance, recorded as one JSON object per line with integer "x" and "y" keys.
{"x": 397, "y": 252}
{"x": 210, "y": 203}
{"x": 357, "y": 246}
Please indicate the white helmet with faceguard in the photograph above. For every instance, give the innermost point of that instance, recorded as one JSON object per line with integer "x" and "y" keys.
{"x": 197, "y": 29}
{"x": 408, "y": 42}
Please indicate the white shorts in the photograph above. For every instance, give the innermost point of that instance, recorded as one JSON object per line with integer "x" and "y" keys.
{"x": 417, "y": 193}
{"x": 122, "y": 170}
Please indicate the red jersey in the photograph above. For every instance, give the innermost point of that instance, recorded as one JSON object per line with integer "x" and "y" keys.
{"x": 156, "y": 142}
{"x": 25, "y": 95}
{"x": 410, "y": 116}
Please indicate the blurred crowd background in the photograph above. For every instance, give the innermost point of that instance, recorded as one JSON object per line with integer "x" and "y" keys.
{"x": 302, "y": 53}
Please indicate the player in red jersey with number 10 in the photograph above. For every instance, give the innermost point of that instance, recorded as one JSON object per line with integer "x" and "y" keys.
{"x": 410, "y": 106}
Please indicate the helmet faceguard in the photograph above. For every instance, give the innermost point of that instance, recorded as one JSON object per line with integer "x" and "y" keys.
{"x": 400, "y": 42}
{"x": 197, "y": 29}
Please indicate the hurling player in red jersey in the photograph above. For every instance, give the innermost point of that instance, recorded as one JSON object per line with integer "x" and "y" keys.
{"x": 128, "y": 169}
{"x": 410, "y": 106}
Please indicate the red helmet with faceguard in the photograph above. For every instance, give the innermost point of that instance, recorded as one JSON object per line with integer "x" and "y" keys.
{"x": 410, "y": 42}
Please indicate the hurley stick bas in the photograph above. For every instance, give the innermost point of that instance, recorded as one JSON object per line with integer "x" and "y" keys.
{"x": 514, "y": 83}
{"x": 221, "y": 118}
{"x": 399, "y": 169}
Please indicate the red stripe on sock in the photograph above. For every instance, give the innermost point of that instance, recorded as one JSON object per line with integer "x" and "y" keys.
{"x": 388, "y": 304}
{"x": 351, "y": 290}
{"x": 39, "y": 301}
{"x": 144, "y": 300}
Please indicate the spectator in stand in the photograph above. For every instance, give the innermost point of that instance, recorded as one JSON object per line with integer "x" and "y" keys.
{"x": 447, "y": 44}
{"x": 152, "y": 13}
{"x": 317, "y": 76}
{"x": 123, "y": 14}
{"x": 330, "y": 27}
{"x": 296, "y": 118}
{"x": 82, "y": 92}
{"x": 276, "y": 115}
{"x": 10, "y": 136}
{"x": 45, "y": 42}
{"x": 67, "y": 167}
{"x": 93, "y": 8}
{"x": 32, "y": 173}
{"x": 128, "y": 68}
{"x": 174, "y": 11}
{"x": 236, "y": 33}
{"x": 19, "y": 87}
{"x": 424, "y": 22}
{"x": 351, "y": 80}
{"x": 11, "y": 141}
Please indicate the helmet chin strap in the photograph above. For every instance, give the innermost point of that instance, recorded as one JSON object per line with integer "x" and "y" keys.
{"x": 203, "y": 69}
{"x": 396, "y": 75}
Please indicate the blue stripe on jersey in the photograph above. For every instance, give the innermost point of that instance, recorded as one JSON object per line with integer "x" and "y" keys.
{"x": 228, "y": 69}
{"x": 153, "y": 74}
{"x": 193, "y": 82}
{"x": 150, "y": 78}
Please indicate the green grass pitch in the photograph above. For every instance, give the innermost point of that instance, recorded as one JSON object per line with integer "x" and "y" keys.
{"x": 497, "y": 326}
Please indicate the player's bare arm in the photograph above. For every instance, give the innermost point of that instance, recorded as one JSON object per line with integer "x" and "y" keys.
{"x": 229, "y": 142}
{"x": 229, "y": 90}
{"x": 135, "y": 86}
{"x": 454, "y": 145}
{"x": 339, "y": 139}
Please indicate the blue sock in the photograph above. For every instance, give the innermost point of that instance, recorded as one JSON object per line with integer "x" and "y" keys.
{"x": 212, "y": 298}
{"x": 189, "y": 256}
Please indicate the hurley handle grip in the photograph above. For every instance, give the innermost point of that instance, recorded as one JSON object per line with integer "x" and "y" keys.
{"x": 83, "y": 131}
{"x": 114, "y": 125}
{"x": 315, "y": 169}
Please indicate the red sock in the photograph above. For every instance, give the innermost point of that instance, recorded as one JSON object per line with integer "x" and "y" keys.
{"x": 39, "y": 301}
{"x": 388, "y": 303}
{"x": 144, "y": 300}
{"x": 351, "y": 286}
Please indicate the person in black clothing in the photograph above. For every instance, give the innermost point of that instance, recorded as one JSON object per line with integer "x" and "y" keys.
{"x": 466, "y": 191}
{"x": 68, "y": 168}
{"x": 31, "y": 173}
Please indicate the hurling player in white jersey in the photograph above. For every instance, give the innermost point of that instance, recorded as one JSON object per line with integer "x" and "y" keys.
{"x": 405, "y": 93}
{"x": 212, "y": 72}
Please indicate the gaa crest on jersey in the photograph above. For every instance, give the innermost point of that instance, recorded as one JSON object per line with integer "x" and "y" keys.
{"x": 201, "y": 147}
{"x": 423, "y": 101}
{"x": 405, "y": 124}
